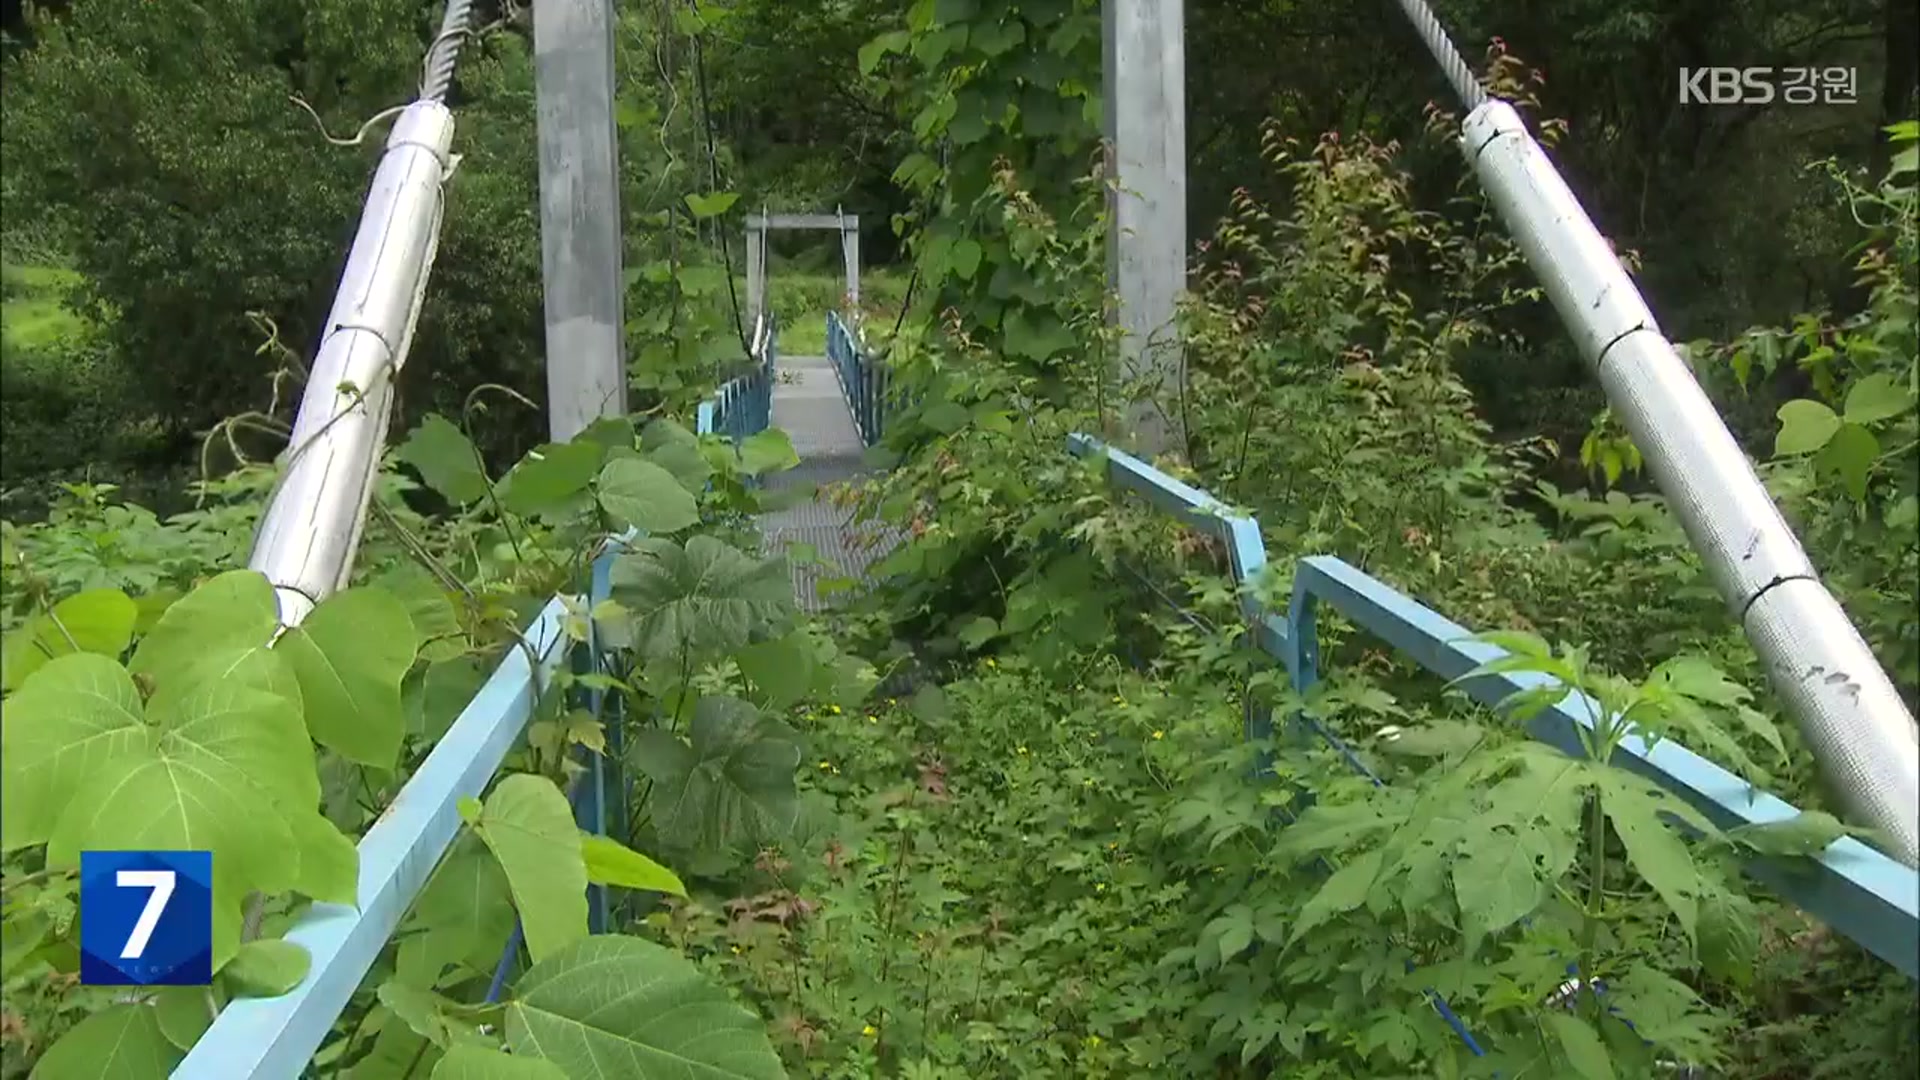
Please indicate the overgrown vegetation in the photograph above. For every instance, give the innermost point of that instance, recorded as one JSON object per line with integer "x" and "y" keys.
{"x": 1048, "y": 846}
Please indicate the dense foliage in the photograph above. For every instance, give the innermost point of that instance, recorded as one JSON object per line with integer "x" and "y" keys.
{"x": 1018, "y": 809}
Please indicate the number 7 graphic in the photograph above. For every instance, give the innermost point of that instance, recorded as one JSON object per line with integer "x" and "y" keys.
{"x": 161, "y": 882}
{"x": 146, "y": 918}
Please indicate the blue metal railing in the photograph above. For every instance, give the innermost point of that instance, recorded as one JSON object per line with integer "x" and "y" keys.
{"x": 864, "y": 382}
{"x": 744, "y": 406}
{"x": 1859, "y": 891}
{"x": 274, "y": 1038}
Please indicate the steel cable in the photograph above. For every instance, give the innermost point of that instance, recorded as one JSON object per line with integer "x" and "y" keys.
{"x": 438, "y": 78}
{"x": 1435, "y": 36}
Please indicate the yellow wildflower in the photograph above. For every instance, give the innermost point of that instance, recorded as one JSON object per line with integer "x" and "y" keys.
{"x": 991, "y": 663}
{"x": 1159, "y": 734}
{"x": 826, "y": 764}
{"x": 869, "y": 1031}
{"x": 1019, "y": 749}
{"x": 836, "y": 709}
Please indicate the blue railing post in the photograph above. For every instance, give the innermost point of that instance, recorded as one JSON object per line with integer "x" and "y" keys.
{"x": 601, "y": 807}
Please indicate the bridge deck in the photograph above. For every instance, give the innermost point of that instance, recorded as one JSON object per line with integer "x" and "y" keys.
{"x": 809, "y": 407}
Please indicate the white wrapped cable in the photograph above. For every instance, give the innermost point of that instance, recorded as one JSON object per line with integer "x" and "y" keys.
{"x": 306, "y": 541}
{"x": 1827, "y": 676}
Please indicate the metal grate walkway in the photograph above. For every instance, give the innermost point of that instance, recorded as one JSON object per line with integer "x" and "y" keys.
{"x": 808, "y": 405}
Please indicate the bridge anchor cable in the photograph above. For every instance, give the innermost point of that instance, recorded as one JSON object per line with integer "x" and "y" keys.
{"x": 1824, "y": 672}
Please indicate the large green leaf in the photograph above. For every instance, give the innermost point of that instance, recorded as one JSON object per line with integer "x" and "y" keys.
{"x": 227, "y": 615}
{"x": 247, "y": 727}
{"x": 965, "y": 256}
{"x": 1343, "y": 891}
{"x": 1807, "y": 833}
{"x": 73, "y": 716}
{"x": 617, "y": 1008}
{"x": 329, "y": 860}
{"x": 350, "y": 655}
{"x": 889, "y": 42}
{"x": 1517, "y": 843}
{"x": 123, "y": 1042}
{"x": 460, "y": 918}
{"x": 20, "y": 655}
{"x": 609, "y": 862}
{"x": 467, "y": 1061}
{"x": 609, "y": 433}
{"x": 1850, "y": 454}
{"x": 1495, "y": 880}
{"x": 1805, "y": 426}
{"x": 1582, "y": 1045}
{"x": 662, "y": 433}
{"x": 218, "y": 766}
{"x": 1036, "y": 334}
{"x": 767, "y": 451}
{"x": 646, "y": 496}
{"x": 96, "y": 621}
{"x": 676, "y": 450}
{"x": 1654, "y": 849}
{"x": 553, "y": 481}
{"x": 397, "y": 1051}
{"x": 444, "y": 690}
{"x": 1729, "y": 936}
{"x": 1665, "y": 1012}
{"x": 446, "y": 460}
{"x": 704, "y": 595}
{"x": 782, "y": 668}
{"x": 428, "y": 1014}
{"x": 436, "y": 622}
{"x": 185, "y": 1014}
{"x": 734, "y": 783}
{"x": 266, "y": 968}
{"x": 1877, "y": 397}
{"x": 529, "y": 827}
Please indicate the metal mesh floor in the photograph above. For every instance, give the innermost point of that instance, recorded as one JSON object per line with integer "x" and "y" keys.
{"x": 809, "y": 407}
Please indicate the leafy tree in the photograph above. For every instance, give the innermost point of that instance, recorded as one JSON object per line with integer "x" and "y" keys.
{"x": 192, "y": 190}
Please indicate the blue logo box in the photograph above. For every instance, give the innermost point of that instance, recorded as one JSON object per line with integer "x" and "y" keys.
{"x": 146, "y": 918}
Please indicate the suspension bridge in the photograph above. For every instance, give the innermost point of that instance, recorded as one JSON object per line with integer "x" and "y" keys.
{"x": 836, "y": 406}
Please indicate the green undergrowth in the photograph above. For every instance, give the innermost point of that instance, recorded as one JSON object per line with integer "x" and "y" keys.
{"x": 1322, "y": 393}
{"x": 1074, "y": 873}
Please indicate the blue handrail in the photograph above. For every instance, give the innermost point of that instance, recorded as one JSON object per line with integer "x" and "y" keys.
{"x": 274, "y": 1038}
{"x": 864, "y": 382}
{"x": 1859, "y": 891}
{"x": 743, "y": 406}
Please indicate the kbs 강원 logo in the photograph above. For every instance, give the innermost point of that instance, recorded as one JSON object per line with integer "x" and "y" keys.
{"x": 1764, "y": 85}
{"x": 146, "y": 918}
